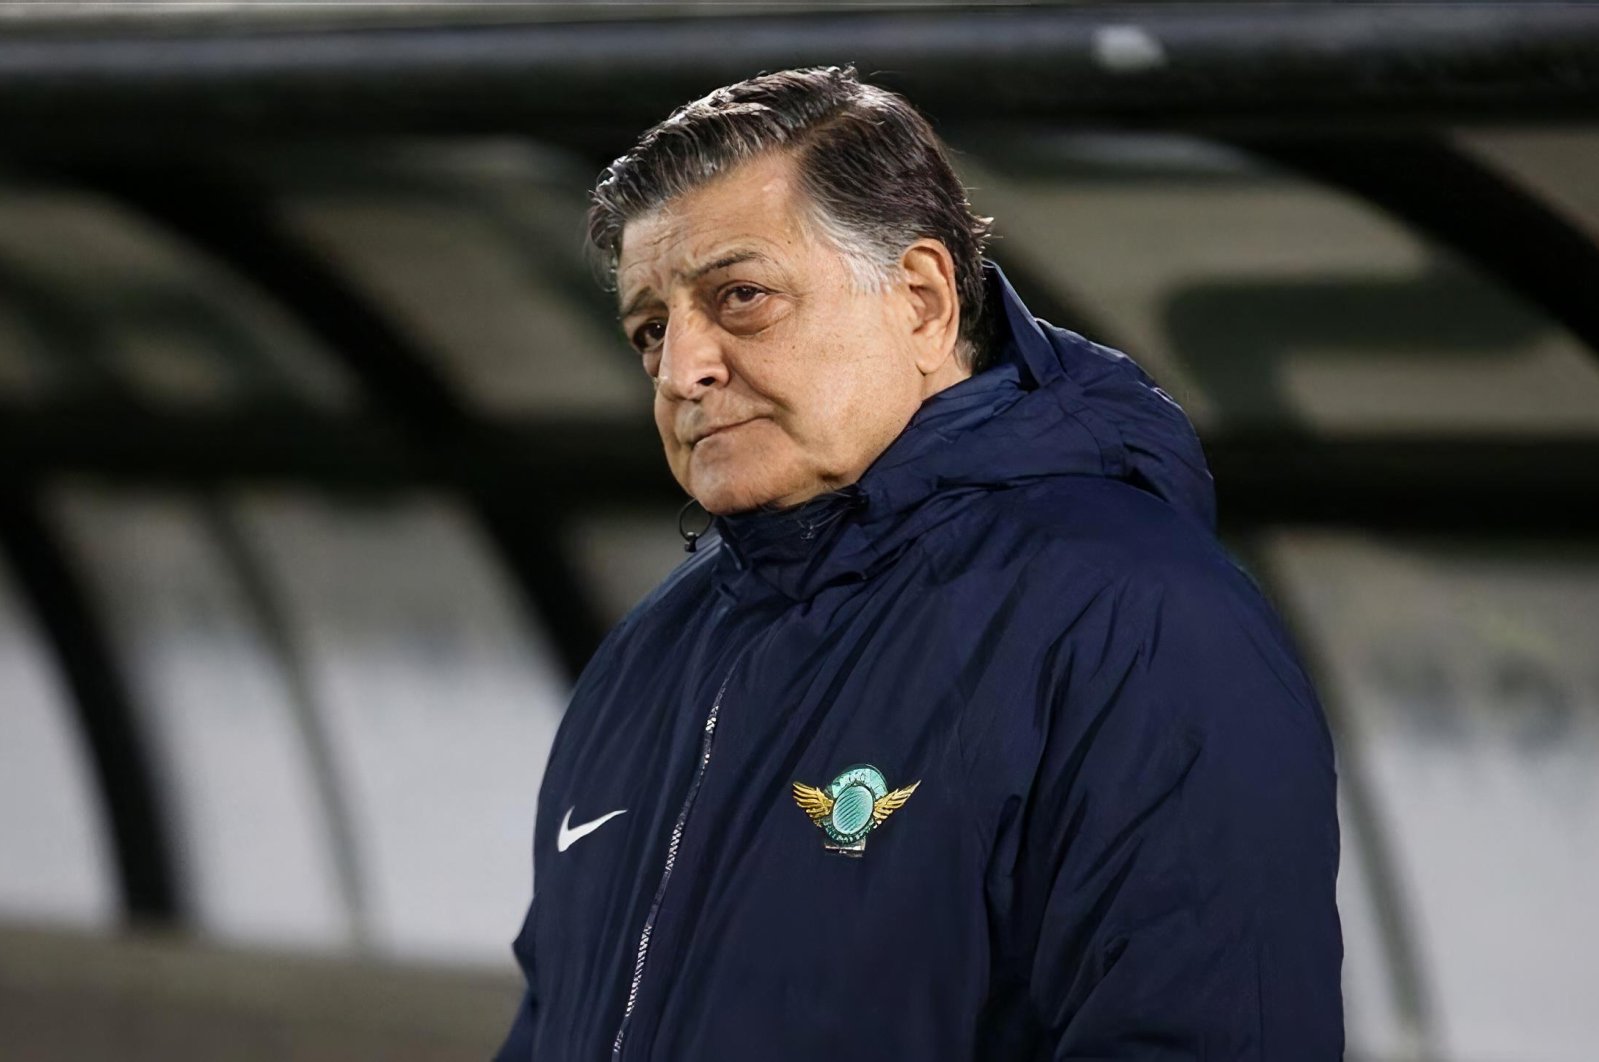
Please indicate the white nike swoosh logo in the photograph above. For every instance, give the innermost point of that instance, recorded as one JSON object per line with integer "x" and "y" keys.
{"x": 570, "y": 833}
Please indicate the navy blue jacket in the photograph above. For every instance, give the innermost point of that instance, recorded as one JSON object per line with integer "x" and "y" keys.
{"x": 1119, "y": 839}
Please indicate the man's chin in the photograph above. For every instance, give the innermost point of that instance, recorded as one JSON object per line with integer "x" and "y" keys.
{"x": 730, "y": 498}
{"x": 722, "y": 504}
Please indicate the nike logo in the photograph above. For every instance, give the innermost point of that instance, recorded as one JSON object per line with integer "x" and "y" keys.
{"x": 570, "y": 834}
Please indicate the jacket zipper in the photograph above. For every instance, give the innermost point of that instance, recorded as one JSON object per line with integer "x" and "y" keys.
{"x": 671, "y": 861}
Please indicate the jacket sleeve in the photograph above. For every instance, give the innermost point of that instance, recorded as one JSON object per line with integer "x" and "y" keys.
{"x": 518, "y": 1045}
{"x": 1168, "y": 880}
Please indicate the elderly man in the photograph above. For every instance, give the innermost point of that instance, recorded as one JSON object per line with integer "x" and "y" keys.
{"x": 959, "y": 737}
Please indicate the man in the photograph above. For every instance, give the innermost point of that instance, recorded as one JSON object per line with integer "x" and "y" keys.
{"x": 961, "y": 737}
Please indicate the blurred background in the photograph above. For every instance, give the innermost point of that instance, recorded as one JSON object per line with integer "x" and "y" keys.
{"x": 323, "y": 465}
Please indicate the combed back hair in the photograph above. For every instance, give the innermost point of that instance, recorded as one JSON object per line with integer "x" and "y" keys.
{"x": 876, "y": 177}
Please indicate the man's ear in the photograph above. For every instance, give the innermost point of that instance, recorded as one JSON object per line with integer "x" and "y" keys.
{"x": 934, "y": 302}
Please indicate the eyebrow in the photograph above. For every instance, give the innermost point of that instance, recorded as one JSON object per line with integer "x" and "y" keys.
{"x": 732, "y": 258}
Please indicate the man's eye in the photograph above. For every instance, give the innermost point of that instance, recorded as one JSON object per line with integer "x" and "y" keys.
{"x": 648, "y": 335}
{"x": 741, "y": 295}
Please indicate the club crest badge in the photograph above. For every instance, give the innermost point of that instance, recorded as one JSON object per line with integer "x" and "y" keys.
{"x": 851, "y": 806}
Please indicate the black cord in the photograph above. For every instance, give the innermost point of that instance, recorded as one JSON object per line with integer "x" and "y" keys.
{"x": 691, "y": 539}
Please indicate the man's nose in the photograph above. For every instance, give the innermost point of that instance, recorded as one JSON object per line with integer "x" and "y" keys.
{"x": 692, "y": 361}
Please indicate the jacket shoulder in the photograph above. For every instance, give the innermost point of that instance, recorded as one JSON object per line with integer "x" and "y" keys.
{"x": 1142, "y": 624}
{"x": 1091, "y": 530}
{"x": 1105, "y": 564}
{"x": 681, "y": 593}
{"x": 685, "y": 585}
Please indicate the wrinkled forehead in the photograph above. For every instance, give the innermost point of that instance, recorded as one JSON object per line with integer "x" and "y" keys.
{"x": 753, "y": 207}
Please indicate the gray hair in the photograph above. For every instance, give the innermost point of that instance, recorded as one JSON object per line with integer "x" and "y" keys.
{"x": 876, "y": 175}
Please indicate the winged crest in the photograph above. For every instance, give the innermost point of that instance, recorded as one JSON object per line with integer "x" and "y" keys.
{"x": 814, "y": 802}
{"x": 851, "y": 806}
{"x": 884, "y": 806}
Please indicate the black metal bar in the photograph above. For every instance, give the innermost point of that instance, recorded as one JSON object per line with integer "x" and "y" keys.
{"x": 239, "y": 229}
{"x": 1398, "y": 483}
{"x": 1447, "y": 197}
{"x": 360, "y": 452}
{"x": 128, "y": 789}
{"x": 214, "y": 213}
{"x": 1469, "y": 485}
{"x": 1169, "y": 65}
{"x": 140, "y": 445}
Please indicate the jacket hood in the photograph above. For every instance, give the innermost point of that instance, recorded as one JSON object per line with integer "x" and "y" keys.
{"x": 1052, "y": 404}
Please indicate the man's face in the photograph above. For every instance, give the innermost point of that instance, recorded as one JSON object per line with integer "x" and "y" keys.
{"x": 776, "y": 379}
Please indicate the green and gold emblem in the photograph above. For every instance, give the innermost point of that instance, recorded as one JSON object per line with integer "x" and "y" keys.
{"x": 852, "y": 806}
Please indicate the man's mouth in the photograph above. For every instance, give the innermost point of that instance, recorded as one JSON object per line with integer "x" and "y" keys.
{"x": 717, "y": 429}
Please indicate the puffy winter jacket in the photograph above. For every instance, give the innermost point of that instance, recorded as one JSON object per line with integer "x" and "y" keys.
{"x": 994, "y": 754}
